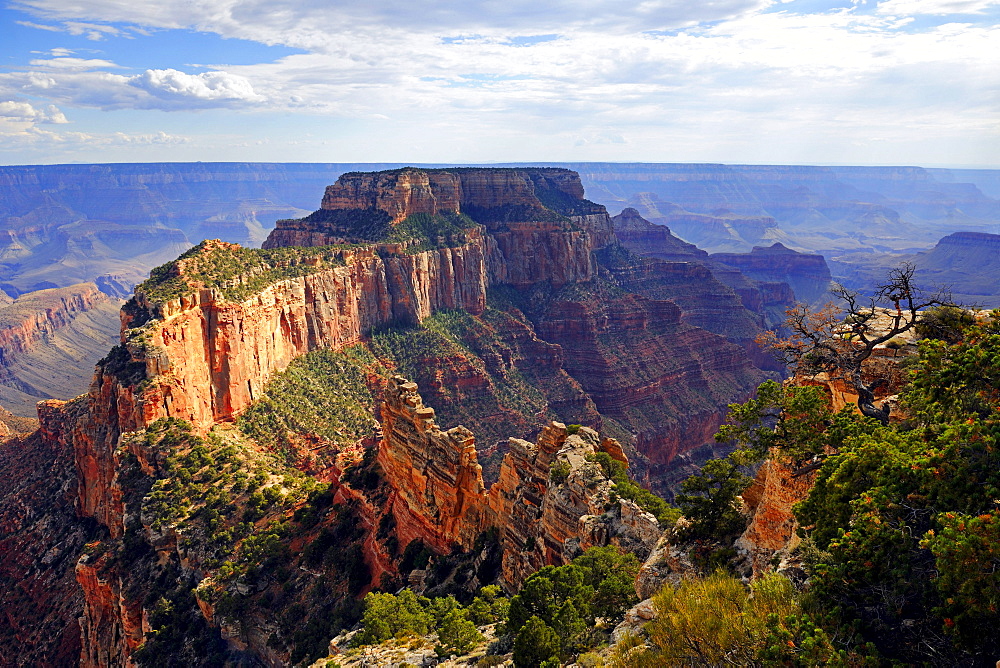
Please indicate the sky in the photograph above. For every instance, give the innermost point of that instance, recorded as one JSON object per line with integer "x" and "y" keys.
{"x": 863, "y": 82}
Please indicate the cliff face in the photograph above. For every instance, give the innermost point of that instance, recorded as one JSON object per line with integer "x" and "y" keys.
{"x": 650, "y": 240}
{"x": 543, "y": 518}
{"x": 213, "y": 355}
{"x": 40, "y": 540}
{"x": 29, "y": 319}
{"x": 204, "y": 357}
{"x": 967, "y": 263}
{"x": 49, "y": 341}
{"x": 438, "y": 483}
{"x": 649, "y": 370}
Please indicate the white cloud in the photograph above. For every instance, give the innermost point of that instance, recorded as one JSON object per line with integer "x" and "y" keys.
{"x": 20, "y": 129}
{"x": 935, "y": 7}
{"x": 591, "y": 76}
{"x": 210, "y": 86}
{"x": 18, "y": 139}
{"x": 38, "y": 26}
{"x": 71, "y": 83}
{"x": 23, "y": 112}
{"x": 295, "y": 22}
{"x": 70, "y": 63}
{"x": 93, "y": 31}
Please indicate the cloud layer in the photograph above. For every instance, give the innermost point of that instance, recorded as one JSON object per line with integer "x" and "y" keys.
{"x": 599, "y": 79}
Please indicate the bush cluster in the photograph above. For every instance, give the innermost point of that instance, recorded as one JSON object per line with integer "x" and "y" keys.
{"x": 406, "y": 614}
{"x": 554, "y": 616}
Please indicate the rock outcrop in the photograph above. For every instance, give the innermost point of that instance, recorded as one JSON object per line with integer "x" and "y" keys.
{"x": 656, "y": 241}
{"x": 967, "y": 263}
{"x": 550, "y": 504}
{"x": 439, "y": 496}
{"x": 769, "y": 500}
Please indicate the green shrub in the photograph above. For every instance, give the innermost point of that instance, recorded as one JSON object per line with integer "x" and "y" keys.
{"x": 559, "y": 472}
{"x": 535, "y": 643}
{"x": 389, "y": 615}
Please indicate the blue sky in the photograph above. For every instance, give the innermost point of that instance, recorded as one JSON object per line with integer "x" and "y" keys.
{"x": 912, "y": 82}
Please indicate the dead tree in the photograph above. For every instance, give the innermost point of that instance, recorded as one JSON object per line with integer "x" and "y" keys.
{"x": 842, "y": 335}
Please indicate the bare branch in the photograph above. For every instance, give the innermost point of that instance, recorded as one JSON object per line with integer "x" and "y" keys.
{"x": 841, "y": 336}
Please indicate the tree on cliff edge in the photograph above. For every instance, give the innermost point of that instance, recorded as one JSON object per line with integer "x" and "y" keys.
{"x": 842, "y": 335}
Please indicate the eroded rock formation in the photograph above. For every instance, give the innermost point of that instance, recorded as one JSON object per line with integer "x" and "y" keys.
{"x": 769, "y": 500}
{"x": 550, "y": 504}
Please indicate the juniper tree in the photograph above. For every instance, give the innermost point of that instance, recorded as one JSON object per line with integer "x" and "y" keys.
{"x": 840, "y": 337}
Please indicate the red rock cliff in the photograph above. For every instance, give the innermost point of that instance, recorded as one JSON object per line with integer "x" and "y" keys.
{"x": 204, "y": 358}
{"x": 439, "y": 498}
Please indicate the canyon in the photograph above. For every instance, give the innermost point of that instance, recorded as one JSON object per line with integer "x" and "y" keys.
{"x": 533, "y": 284}
{"x": 256, "y": 451}
{"x": 63, "y": 225}
{"x": 50, "y": 341}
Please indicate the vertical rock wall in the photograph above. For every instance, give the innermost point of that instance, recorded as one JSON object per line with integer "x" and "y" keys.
{"x": 543, "y": 518}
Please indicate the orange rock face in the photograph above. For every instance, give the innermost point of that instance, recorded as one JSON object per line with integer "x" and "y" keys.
{"x": 207, "y": 358}
{"x": 111, "y": 626}
{"x": 543, "y": 517}
{"x": 770, "y": 499}
{"x": 399, "y": 193}
{"x": 213, "y": 357}
{"x": 439, "y": 496}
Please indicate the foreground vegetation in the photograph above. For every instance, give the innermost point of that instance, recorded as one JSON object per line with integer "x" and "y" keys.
{"x": 901, "y": 528}
{"x": 558, "y": 614}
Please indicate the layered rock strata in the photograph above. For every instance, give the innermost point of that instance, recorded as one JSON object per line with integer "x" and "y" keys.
{"x": 49, "y": 342}
{"x": 550, "y": 504}
{"x": 712, "y": 295}
{"x": 672, "y": 395}
{"x": 30, "y": 318}
{"x": 438, "y": 483}
{"x": 203, "y": 358}
{"x": 806, "y": 273}
{"x": 539, "y": 225}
